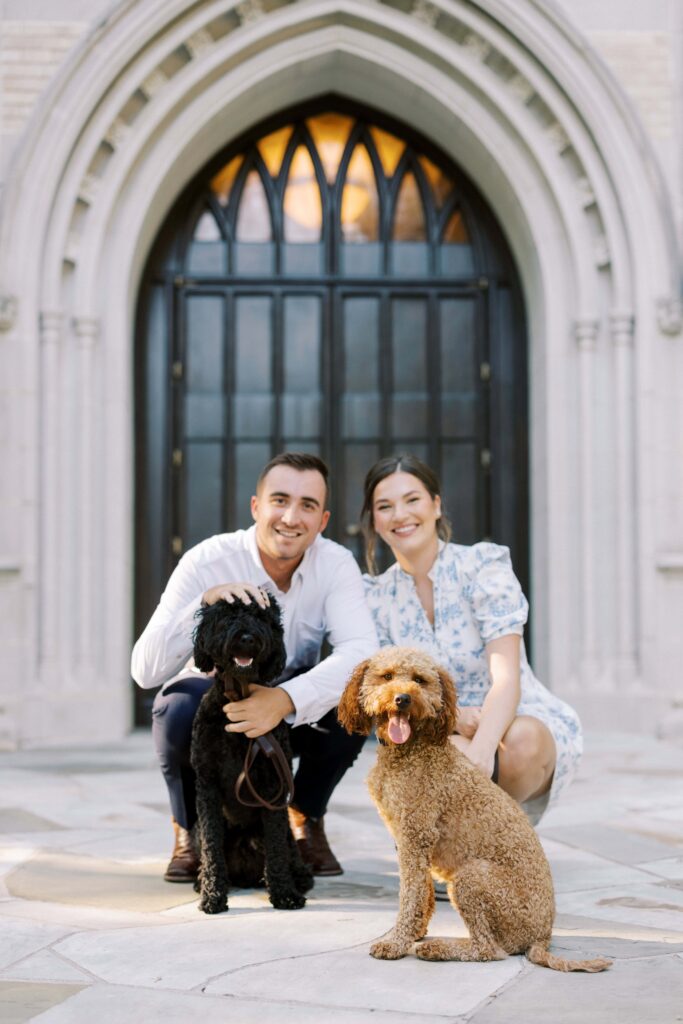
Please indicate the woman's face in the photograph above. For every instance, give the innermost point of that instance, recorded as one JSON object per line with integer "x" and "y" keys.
{"x": 405, "y": 514}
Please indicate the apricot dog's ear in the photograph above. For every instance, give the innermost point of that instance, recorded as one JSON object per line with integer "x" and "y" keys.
{"x": 440, "y": 728}
{"x": 349, "y": 711}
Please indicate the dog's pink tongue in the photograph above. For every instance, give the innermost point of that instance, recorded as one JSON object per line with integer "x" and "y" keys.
{"x": 399, "y": 728}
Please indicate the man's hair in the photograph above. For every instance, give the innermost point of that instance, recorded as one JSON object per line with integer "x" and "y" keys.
{"x": 300, "y": 461}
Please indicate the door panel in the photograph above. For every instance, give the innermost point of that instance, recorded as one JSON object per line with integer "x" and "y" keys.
{"x": 354, "y": 300}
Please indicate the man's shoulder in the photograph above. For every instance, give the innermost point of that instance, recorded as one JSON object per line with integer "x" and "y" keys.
{"x": 220, "y": 546}
{"x": 326, "y": 552}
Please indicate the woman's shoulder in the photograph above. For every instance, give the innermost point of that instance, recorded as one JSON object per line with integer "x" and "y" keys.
{"x": 471, "y": 558}
{"x": 377, "y": 585}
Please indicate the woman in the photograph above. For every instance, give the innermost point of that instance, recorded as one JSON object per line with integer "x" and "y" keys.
{"x": 464, "y": 606}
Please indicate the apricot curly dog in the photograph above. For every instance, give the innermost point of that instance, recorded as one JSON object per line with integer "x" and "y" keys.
{"x": 447, "y": 818}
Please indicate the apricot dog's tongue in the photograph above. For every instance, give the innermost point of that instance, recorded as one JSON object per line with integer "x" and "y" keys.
{"x": 399, "y": 728}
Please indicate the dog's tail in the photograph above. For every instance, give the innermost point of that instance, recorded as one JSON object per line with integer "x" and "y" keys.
{"x": 539, "y": 954}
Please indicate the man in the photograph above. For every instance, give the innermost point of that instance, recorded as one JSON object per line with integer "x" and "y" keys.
{"x": 318, "y": 586}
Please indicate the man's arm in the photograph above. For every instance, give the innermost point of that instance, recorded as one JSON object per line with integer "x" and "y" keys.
{"x": 166, "y": 644}
{"x": 352, "y": 636}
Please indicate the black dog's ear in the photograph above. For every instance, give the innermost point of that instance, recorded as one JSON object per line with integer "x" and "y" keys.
{"x": 349, "y": 711}
{"x": 203, "y": 661}
{"x": 275, "y": 665}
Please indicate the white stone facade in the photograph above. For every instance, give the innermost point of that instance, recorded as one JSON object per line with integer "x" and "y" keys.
{"x": 567, "y": 117}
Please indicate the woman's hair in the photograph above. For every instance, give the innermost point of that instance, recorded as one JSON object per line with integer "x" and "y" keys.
{"x": 382, "y": 469}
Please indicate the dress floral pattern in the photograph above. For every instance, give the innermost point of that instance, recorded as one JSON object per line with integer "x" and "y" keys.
{"x": 477, "y": 598}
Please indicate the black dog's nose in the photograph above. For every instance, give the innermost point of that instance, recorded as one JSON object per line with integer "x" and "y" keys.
{"x": 402, "y": 700}
{"x": 246, "y": 638}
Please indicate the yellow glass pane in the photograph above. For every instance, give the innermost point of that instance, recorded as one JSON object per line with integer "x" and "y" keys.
{"x": 360, "y": 202}
{"x": 253, "y": 217}
{"x": 221, "y": 183}
{"x": 303, "y": 206}
{"x": 456, "y": 232}
{"x": 206, "y": 229}
{"x": 389, "y": 148}
{"x": 329, "y": 133}
{"x": 441, "y": 183}
{"x": 272, "y": 148}
{"x": 409, "y": 218}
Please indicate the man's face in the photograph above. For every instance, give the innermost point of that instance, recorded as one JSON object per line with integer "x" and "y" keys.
{"x": 289, "y": 512}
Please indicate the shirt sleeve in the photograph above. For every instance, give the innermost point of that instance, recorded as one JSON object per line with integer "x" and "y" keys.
{"x": 166, "y": 645}
{"x": 498, "y": 604}
{"x": 351, "y": 634}
{"x": 378, "y": 610}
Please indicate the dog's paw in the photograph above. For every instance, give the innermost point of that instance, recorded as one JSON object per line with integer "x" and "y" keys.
{"x": 303, "y": 879}
{"x": 213, "y": 904}
{"x": 289, "y": 900}
{"x": 388, "y": 949}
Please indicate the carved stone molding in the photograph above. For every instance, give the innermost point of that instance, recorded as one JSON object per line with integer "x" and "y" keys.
{"x": 601, "y": 252}
{"x": 586, "y": 193}
{"x": 621, "y": 327}
{"x": 88, "y": 188}
{"x": 73, "y": 244}
{"x": 557, "y": 137}
{"x": 476, "y": 45}
{"x": 426, "y": 12}
{"x": 199, "y": 42}
{"x": 249, "y": 11}
{"x": 51, "y": 323}
{"x": 154, "y": 83}
{"x": 670, "y": 316}
{"x": 87, "y": 330}
{"x": 521, "y": 88}
{"x": 586, "y": 334}
{"x": 117, "y": 133}
{"x": 8, "y": 312}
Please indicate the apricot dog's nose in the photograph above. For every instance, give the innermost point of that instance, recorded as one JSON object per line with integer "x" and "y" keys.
{"x": 402, "y": 700}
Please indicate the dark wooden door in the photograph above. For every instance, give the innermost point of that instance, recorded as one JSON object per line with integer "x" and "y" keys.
{"x": 329, "y": 284}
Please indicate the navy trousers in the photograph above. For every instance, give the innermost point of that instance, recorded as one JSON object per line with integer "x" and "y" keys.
{"x": 325, "y": 752}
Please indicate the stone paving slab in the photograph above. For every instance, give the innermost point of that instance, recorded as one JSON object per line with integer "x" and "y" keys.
{"x": 91, "y": 932}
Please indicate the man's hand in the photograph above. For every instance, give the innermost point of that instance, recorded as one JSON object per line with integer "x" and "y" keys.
{"x": 261, "y": 711}
{"x": 242, "y": 591}
{"x": 467, "y": 721}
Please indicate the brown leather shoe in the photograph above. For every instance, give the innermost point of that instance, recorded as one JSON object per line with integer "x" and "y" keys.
{"x": 312, "y": 842}
{"x": 184, "y": 863}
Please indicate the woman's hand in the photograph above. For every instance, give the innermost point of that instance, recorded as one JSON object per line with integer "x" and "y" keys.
{"x": 482, "y": 757}
{"x": 467, "y": 721}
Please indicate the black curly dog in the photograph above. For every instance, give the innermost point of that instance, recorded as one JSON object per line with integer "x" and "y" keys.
{"x": 239, "y": 845}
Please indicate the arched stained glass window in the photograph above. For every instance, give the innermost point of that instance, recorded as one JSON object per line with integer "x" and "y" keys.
{"x": 332, "y": 193}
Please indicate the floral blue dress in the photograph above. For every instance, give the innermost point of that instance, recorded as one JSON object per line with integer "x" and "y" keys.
{"x": 477, "y": 598}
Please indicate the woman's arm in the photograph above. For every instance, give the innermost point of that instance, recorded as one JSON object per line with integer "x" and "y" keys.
{"x": 501, "y": 702}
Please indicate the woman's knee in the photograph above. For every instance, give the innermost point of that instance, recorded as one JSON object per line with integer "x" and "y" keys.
{"x": 527, "y": 745}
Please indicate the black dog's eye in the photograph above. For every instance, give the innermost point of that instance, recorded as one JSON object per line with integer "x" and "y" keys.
{"x": 419, "y": 680}
{"x": 388, "y": 676}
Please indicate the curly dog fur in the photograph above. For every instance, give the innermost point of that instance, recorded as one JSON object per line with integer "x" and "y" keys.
{"x": 448, "y": 819}
{"x": 240, "y": 845}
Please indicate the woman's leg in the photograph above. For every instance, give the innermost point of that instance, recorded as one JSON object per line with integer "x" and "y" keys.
{"x": 526, "y": 758}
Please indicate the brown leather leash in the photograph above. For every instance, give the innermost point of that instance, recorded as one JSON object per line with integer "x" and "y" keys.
{"x": 269, "y": 746}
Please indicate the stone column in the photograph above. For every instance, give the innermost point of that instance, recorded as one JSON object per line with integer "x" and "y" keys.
{"x": 51, "y": 438}
{"x": 87, "y": 330}
{"x": 621, "y": 334}
{"x": 586, "y": 335}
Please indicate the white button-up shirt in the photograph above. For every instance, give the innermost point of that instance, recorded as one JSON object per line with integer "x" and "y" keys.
{"x": 325, "y": 599}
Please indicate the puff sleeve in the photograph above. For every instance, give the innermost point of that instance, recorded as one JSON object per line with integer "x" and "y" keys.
{"x": 498, "y": 604}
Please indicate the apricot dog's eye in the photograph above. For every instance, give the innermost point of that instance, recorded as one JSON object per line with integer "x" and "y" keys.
{"x": 420, "y": 680}
{"x": 388, "y": 676}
